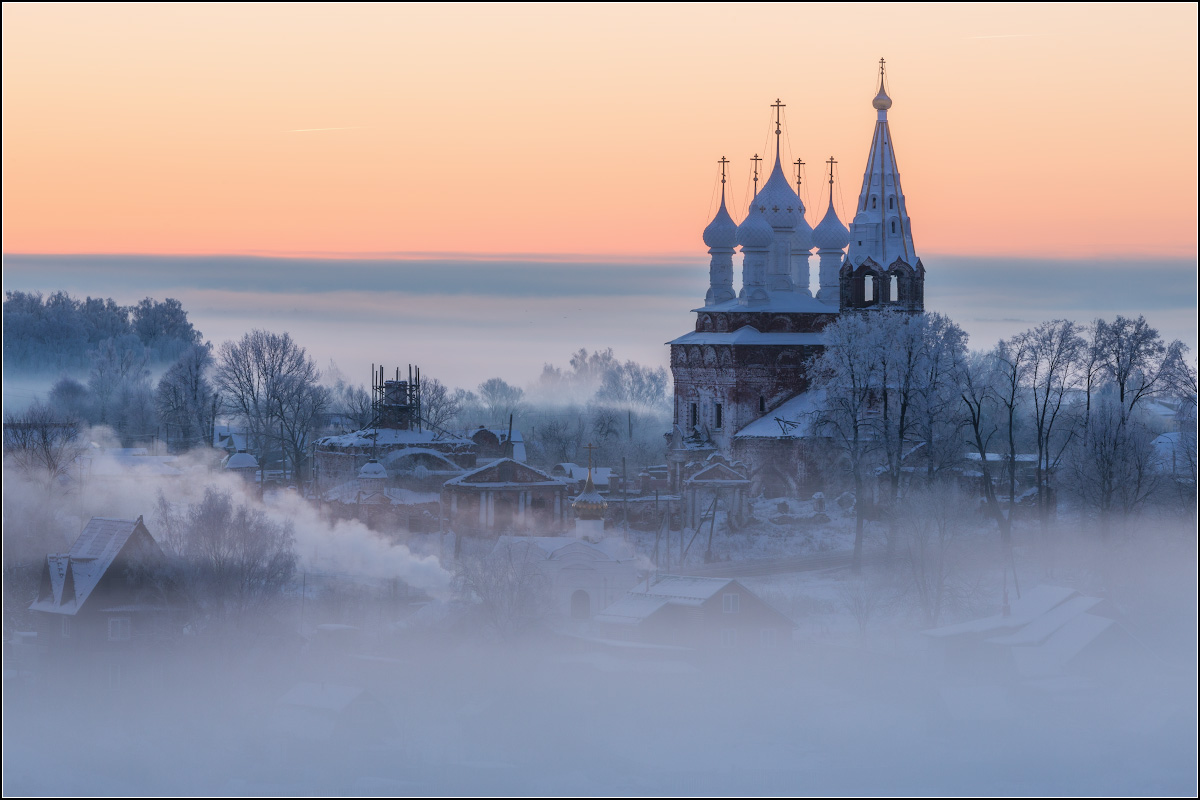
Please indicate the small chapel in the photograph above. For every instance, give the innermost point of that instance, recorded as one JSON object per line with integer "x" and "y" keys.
{"x": 739, "y": 376}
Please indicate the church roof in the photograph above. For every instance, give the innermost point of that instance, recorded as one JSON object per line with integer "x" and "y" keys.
{"x": 747, "y": 335}
{"x": 755, "y": 231}
{"x": 777, "y": 200}
{"x": 505, "y": 472}
{"x": 722, "y": 231}
{"x": 797, "y": 415}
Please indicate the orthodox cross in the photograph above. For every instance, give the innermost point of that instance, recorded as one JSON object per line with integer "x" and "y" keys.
{"x": 756, "y": 159}
{"x": 831, "y": 162}
{"x": 799, "y": 164}
{"x": 778, "y": 106}
{"x": 723, "y": 162}
{"x": 590, "y": 448}
{"x": 881, "y": 62}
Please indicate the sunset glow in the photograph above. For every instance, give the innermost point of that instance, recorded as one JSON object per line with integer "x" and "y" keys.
{"x": 1029, "y": 130}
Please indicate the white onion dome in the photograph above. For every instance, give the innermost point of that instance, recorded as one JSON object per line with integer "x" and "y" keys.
{"x": 373, "y": 470}
{"x": 755, "y": 231}
{"x": 241, "y": 460}
{"x": 777, "y": 200}
{"x": 830, "y": 233}
{"x": 882, "y": 102}
{"x": 722, "y": 231}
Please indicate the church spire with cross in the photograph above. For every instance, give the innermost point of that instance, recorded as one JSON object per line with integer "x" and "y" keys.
{"x": 830, "y": 238}
{"x": 881, "y": 265}
{"x": 721, "y": 238}
{"x": 780, "y": 206}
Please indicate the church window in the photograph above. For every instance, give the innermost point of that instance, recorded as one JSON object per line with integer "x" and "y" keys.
{"x": 719, "y": 420}
{"x": 695, "y": 414}
{"x": 762, "y": 404}
{"x": 893, "y": 226}
{"x": 891, "y": 202}
{"x": 872, "y": 202}
{"x": 868, "y": 288}
{"x": 730, "y": 603}
{"x": 894, "y": 283}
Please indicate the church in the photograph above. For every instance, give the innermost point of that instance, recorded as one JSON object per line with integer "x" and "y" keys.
{"x": 739, "y": 376}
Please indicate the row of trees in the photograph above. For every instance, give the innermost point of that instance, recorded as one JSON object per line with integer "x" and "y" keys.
{"x": 900, "y": 397}
{"x": 61, "y": 332}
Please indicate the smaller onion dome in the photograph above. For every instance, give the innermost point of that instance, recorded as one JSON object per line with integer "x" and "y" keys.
{"x": 755, "y": 231}
{"x": 372, "y": 470}
{"x": 241, "y": 460}
{"x": 589, "y": 504}
{"x": 830, "y": 233}
{"x": 722, "y": 231}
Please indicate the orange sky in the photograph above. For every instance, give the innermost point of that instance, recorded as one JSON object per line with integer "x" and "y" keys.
{"x": 1022, "y": 130}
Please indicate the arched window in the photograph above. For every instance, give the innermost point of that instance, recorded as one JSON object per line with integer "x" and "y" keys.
{"x": 893, "y": 226}
{"x": 891, "y": 202}
{"x": 868, "y": 288}
{"x": 872, "y": 202}
{"x": 894, "y": 283}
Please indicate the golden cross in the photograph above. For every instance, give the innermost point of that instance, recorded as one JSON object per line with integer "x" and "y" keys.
{"x": 590, "y": 448}
{"x": 723, "y": 162}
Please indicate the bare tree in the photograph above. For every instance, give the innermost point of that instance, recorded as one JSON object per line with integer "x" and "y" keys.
{"x": 500, "y": 399}
{"x": 185, "y": 399}
{"x": 232, "y": 557}
{"x": 978, "y": 395}
{"x": 933, "y": 522}
{"x": 847, "y": 373}
{"x": 509, "y": 583}
{"x": 41, "y": 441}
{"x": 438, "y": 405}
{"x": 269, "y": 383}
{"x": 1056, "y": 353}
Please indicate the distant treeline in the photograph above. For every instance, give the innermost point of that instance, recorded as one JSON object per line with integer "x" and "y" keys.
{"x": 58, "y": 332}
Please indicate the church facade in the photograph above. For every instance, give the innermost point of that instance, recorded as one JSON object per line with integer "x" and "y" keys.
{"x": 740, "y": 376}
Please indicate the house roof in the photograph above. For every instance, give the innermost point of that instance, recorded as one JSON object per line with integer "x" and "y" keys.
{"x": 68, "y": 579}
{"x": 797, "y": 415}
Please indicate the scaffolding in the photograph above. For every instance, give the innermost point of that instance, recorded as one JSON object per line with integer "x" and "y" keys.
{"x": 396, "y": 403}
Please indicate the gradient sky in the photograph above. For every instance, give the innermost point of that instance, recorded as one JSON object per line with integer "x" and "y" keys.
{"x": 1061, "y": 131}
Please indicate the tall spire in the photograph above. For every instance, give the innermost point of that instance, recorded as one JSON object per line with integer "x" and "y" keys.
{"x": 881, "y": 229}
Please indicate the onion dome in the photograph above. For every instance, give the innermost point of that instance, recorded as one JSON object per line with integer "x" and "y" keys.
{"x": 803, "y": 238}
{"x": 830, "y": 233}
{"x": 722, "y": 231}
{"x": 882, "y": 101}
{"x": 241, "y": 460}
{"x": 755, "y": 231}
{"x": 372, "y": 470}
{"x": 589, "y": 504}
{"x": 777, "y": 200}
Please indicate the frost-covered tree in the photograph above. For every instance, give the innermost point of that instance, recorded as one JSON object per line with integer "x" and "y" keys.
{"x": 42, "y": 442}
{"x": 119, "y": 383}
{"x": 270, "y": 384}
{"x": 508, "y": 583}
{"x": 846, "y": 376}
{"x": 979, "y": 379}
{"x": 231, "y": 557}
{"x": 500, "y": 400}
{"x": 185, "y": 399}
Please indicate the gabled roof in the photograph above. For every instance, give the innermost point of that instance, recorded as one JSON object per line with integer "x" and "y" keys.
{"x": 720, "y": 474}
{"x": 68, "y": 579}
{"x": 505, "y": 472}
{"x": 679, "y": 590}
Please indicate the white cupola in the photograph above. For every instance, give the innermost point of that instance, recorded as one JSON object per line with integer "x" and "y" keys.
{"x": 721, "y": 238}
{"x": 830, "y": 238}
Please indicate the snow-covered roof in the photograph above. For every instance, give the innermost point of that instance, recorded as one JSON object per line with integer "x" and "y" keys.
{"x": 505, "y": 472}
{"x": 631, "y": 609}
{"x": 799, "y": 410}
{"x": 241, "y": 460}
{"x": 1032, "y": 604}
{"x": 601, "y": 476}
{"x": 353, "y": 491}
{"x": 748, "y": 335}
{"x": 368, "y": 437}
{"x": 68, "y": 579}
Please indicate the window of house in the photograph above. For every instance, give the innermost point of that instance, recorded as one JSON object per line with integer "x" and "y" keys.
{"x": 728, "y": 638}
{"x": 119, "y": 629}
{"x": 66, "y": 627}
{"x": 695, "y": 415}
{"x": 719, "y": 420}
{"x": 730, "y": 603}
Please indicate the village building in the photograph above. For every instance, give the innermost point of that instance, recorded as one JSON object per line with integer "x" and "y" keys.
{"x": 106, "y": 600}
{"x": 744, "y": 365}
{"x": 580, "y": 577}
{"x": 505, "y": 496}
{"x": 701, "y": 613}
